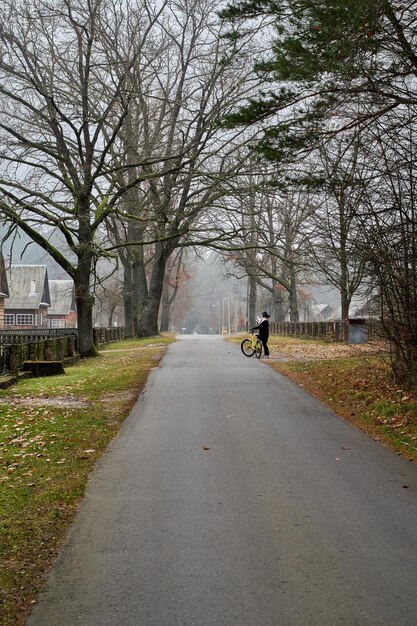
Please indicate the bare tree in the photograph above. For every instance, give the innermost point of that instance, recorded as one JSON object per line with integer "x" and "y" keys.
{"x": 389, "y": 235}
{"x": 175, "y": 277}
{"x": 271, "y": 244}
{"x": 179, "y": 98}
{"x": 340, "y": 179}
{"x": 108, "y": 304}
{"x": 65, "y": 84}
{"x": 283, "y": 235}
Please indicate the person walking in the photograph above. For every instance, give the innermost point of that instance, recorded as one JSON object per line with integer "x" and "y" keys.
{"x": 263, "y": 327}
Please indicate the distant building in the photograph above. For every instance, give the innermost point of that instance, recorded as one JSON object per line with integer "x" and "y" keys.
{"x": 326, "y": 312}
{"x": 62, "y": 312}
{"x": 29, "y": 298}
{"x": 4, "y": 289}
{"x": 310, "y": 311}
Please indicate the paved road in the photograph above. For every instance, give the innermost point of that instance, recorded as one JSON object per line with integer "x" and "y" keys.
{"x": 290, "y": 518}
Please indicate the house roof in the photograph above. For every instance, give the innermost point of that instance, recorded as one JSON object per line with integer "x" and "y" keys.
{"x": 4, "y": 288}
{"x": 321, "y": 312}
{"x": 326, "y": 310}
{"x": 62, "y": 297}
{"x": 28, "y": 287}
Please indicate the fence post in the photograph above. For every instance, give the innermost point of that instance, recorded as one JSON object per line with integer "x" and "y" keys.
{"x": 49, "y": 350}
{"x": 14, "y": 358}
{"x": 71, "y": 345}
{"x": 96, "y": 337}
{"x": 33, "y": 352}
{"x": 60, "y": 348}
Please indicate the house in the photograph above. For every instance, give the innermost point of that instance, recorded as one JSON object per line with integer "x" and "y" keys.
{"x": 29, "y": 299}
{"x": 313, "y": 312}
{"x": 325, "y": 311}
{"x": 4, "y": 289}
{"x": 62, "y": 312}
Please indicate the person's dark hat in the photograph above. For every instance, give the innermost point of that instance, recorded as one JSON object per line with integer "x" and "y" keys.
{"x": 265, "y": 314}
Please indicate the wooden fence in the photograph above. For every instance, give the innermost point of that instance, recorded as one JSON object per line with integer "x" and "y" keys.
{"x": 18, "y": 346}
{"x": 8, "y": 337}
{"x": 328, "y": 331}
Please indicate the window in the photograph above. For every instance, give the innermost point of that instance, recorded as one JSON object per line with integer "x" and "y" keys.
{"x": 9, "y": 319}
{"x": 55, "y": 323}
{"x": 24, "y": 319}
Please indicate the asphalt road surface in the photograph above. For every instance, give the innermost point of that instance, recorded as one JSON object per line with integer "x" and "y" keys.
{"x": 232, "y": 497}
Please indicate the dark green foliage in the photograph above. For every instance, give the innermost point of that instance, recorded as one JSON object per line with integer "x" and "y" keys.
{"x": 315, "y": 37}
{"x": 326, "y": 58}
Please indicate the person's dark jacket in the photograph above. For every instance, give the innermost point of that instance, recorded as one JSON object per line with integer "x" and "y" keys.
{"x": 263, "y": 328}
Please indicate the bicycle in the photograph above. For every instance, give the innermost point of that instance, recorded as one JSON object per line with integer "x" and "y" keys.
{"x": 252, "y": 345}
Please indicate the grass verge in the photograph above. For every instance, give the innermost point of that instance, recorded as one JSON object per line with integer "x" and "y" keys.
{"x": 355, "y": 382}
{"x": 52, "y": 432}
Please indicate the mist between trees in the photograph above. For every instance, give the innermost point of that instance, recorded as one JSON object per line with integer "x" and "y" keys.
{"x": 146, "y": 132}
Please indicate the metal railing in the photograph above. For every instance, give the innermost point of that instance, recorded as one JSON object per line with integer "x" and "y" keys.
{"x": 26, "y": 335}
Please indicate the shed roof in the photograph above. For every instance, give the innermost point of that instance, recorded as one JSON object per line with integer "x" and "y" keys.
{"x": 28, "y": 287}
{"x": 62, "y": 297}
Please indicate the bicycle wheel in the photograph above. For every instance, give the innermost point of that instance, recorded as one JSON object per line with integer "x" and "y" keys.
{"x": 247, "y": 347}
{"x": 258, "y": 349}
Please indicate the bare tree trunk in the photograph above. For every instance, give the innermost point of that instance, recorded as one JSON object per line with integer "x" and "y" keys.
{"x": 279, "y": 303}
{"x": 344, "y": 278}
{"x": 111, "y": 314}
{"x": 252, "y": 300}
{"x": 344, "y": 298}
{"x": 140, "y": 293}
{"x": 85, "y": 302}
{"x": 86, "y": 345}
{"x": 149, "y": 326}
{"x": 294, "y": 314}
{"x": 82, "y": 278}
{"x": 128, "y": 305}
{"x": 165, "y": 313}
{"x": 167, "y": 297}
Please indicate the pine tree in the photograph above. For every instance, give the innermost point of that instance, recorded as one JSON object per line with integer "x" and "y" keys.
{"x": 333, "y": 65}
